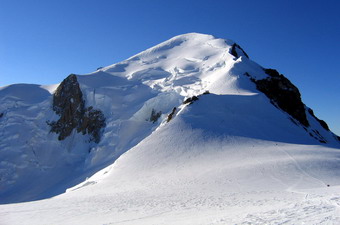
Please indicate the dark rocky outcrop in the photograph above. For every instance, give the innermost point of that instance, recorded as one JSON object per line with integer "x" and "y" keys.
{"x": 272, "y": 72}
{"x": 171, "y": 114}
{"x": 68, "y": 103}
{"x": 322, "y": 123}
{"x": 190, "y": 100}
{"x": 1, "y": 115}
{"x": 248, "y": 75}
{"x": 236, "y": 48}
{"x": 316, "y": 135}
{"x": 92, "y": 122}
{"x": 283, "y": 94}
{"x": 155, "y": 116}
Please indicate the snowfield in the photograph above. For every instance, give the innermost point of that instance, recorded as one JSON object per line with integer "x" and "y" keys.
{"x": 231, "y": 157}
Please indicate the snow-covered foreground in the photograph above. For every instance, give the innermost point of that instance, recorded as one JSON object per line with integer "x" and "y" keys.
{"x": 187, "y": 173}
{"x": 192, "y": 206}
{"x": 218, "y": 188}
{"x": 231, "y": 157}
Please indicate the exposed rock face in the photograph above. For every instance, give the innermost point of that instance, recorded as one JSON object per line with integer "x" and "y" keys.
{"x": 284, "y": 94}
{"x": 235, "y": 49}
{"x": 316, "y": 135}
{"x": 190, "y": 100}
{"x": 272, "y": 72}
{"x": 155, "y": 116}
{"x": 68, "y": 103}
{"x": 322, "y": 123}
{"x": 171, "y": 114}
{"x": 92, "y": 122}
{"x": 194, "y": 98}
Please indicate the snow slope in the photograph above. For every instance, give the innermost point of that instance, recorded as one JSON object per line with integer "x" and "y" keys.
{"x": 187, "y": 173}
{"x": 229, "y": 157}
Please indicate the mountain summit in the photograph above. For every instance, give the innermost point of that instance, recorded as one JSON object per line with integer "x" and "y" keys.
{"x": 190, "y": 111}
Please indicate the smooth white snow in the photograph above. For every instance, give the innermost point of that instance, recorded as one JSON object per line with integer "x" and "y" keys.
{"x": 229, "y": 158}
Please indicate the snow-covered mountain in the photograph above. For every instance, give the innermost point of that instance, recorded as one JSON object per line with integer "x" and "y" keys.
{"x": 190, "y": 130}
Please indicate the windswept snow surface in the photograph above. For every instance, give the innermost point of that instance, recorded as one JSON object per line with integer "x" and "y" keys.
{"x": 188, "y": 173}
{"x": 230, "y": 157}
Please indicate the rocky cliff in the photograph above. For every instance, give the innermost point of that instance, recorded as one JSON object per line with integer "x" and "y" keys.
{"x": 69, "y": 104}
{"x": 283, "y": 94}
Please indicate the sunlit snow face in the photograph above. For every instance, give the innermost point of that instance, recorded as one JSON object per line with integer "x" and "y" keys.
{"x": 232, "y": 146}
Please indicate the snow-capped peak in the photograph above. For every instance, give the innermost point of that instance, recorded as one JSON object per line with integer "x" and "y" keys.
{"x": 188, "y": 64}
{"x": 59, "y": 137}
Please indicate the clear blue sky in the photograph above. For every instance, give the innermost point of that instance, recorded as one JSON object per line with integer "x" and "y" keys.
{"x": 44, "y": 41}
